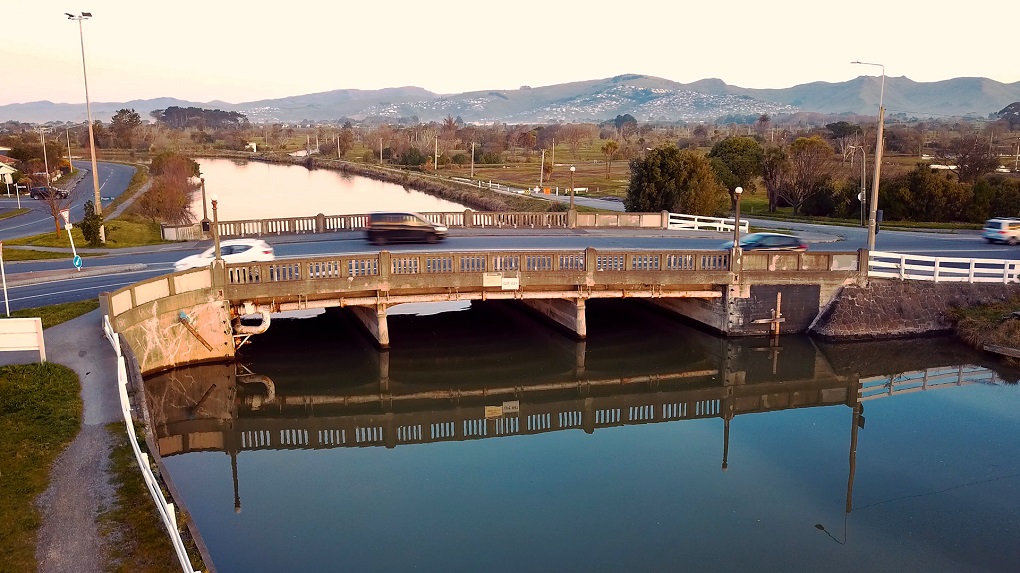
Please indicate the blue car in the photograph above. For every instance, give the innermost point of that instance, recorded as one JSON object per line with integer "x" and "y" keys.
{"x": 768, "y": 242}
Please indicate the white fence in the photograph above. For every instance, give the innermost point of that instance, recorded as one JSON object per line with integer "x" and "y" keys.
{"x": 22, "y": 335}
{"x": 166, "y": 510}
{"x": 941, "y": 269}
{"x": 681, "y": 221}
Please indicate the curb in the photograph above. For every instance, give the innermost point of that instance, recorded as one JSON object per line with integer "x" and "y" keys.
{"x": 37, "y": 277}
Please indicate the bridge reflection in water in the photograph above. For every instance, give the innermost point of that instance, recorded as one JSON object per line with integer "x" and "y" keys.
{"x": 297, "y": 395}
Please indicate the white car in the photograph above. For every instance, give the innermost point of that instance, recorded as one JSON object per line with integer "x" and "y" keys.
{"x": 231, "y": 251}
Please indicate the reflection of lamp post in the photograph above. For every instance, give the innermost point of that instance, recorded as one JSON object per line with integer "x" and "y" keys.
{"x": 88, "y": 110}
{"x": 736, "y": 219}
{"x": 215, "y": 229}
{"x": 873, "y": 212}
{"x": 572, "y": 168}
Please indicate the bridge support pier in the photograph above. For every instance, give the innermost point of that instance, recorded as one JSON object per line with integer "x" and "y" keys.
{"x": 374, "y": 321}
{"x": 568, "y": 313}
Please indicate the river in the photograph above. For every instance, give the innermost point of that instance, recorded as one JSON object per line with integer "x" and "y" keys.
{"x": 255, "y": 190}
{"x": 485, "y": 440}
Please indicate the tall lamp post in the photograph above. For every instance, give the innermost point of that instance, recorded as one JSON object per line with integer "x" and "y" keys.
{"x": 215, "y": 230}
{"x": 572, "y": 169}
{"x": 736, "y": 219}
{"x": 873, "y": 212}
{"x": 88, "y": 110}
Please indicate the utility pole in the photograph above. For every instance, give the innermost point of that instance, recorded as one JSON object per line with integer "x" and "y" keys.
{"x": 472, "y": 160}
{"x": 541, "y": 171}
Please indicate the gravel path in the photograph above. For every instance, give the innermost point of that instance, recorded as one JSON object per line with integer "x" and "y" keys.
{"x": 79, "y": 480}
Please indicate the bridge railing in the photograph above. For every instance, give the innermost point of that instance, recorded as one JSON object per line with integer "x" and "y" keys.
{"x": 901, "y": 266}
{"x": 481, "y": 219}
{"x": 696, "y": 222}
{"x": 531, "y": 262}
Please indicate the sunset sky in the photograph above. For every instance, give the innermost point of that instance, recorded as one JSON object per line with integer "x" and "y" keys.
{"x": 244, "y": 51}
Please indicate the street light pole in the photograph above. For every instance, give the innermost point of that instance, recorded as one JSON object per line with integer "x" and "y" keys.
{"x": 572, "y": 169}
{"x": 88, "y": 110}
{"x": 873, "y": 212}
{"x": 46, "y": 162}
{"x": 736, "y": 219}
{"x": 215, "y": 230}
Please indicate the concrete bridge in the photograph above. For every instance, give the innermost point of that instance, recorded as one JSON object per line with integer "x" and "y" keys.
{"x": 197, "y": 315}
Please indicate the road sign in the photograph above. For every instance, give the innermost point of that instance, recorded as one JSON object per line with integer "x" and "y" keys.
{"x": 66, "y": 214}
{"x": 76, "y": 261}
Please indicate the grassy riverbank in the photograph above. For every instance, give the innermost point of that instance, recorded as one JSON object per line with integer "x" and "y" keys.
{"x": 990, "y": 324}
{"x": 132, "y": 528}
{"x": 40, "y": 414}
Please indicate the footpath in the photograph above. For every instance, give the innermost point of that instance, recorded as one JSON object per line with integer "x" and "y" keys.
{"x": 79, "y": 489}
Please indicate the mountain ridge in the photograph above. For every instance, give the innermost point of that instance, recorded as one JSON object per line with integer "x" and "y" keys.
{"x": 647, "y": 98}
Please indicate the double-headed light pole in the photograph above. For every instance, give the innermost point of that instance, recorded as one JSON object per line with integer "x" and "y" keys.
{"x": 88, "y": 110}
{"x": 873, "y": 212}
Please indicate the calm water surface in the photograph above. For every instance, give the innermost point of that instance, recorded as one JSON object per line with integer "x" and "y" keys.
{"x": 252, "y": 190}
{"x": 485, "y": 440}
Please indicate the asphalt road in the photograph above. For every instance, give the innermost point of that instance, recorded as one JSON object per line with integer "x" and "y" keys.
{"x": 156, "y": 260}
{"x": 113, "y": 180}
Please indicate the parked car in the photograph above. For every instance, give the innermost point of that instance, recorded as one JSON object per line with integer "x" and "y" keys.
{"x": 232, "y": 251}
{"x": 1002, "y": 230}
{"x": 769, "y": 242}
{"x": 402, "y": 227}
{"x": 46, "y": 192}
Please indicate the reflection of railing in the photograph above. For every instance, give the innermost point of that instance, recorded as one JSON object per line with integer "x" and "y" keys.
{"x": 166, "y": 510}
{"x": 392, "y": 418}
{"x": 941, "y": 269}
{"x": 928, "y": 379}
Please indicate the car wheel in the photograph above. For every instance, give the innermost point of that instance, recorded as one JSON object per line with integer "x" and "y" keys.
{"x": 432, "y": 238}
{"x": 379, "y": 241}
{"x": 1012, "y": 241}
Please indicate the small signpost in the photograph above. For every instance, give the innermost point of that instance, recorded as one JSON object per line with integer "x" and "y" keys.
{"x": 75, "y": 260}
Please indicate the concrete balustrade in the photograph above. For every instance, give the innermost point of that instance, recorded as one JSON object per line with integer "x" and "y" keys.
{"x": 468, "y": 219}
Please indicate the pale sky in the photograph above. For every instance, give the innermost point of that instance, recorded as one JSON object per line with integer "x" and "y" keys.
{"x": 243, "y": 51}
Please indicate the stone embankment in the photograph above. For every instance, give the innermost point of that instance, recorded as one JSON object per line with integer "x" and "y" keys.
{"x": 891, "y": 308}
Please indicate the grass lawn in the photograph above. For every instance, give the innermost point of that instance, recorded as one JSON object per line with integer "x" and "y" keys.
{"x": 124, "y": 232}
{"x": 11, "y": 255}
{"x": 54, "y": 314}
{"x": 40, "y": 414}
{"x": 13, "y": 213}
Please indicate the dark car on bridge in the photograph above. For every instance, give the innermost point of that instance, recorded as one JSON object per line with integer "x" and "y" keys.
{"x": 47, "y": 192}
{"x": 394, "y": 227}
{"x": 769, "y": 242}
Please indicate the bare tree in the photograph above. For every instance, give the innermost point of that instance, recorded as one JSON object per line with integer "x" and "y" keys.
{"x": 970, "y": 154}
{"x": 574, "y": 134}
{"x": 811, "y": 164}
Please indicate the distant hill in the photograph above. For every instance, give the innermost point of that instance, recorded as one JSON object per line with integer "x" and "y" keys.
{"x": 647, "y": 98}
